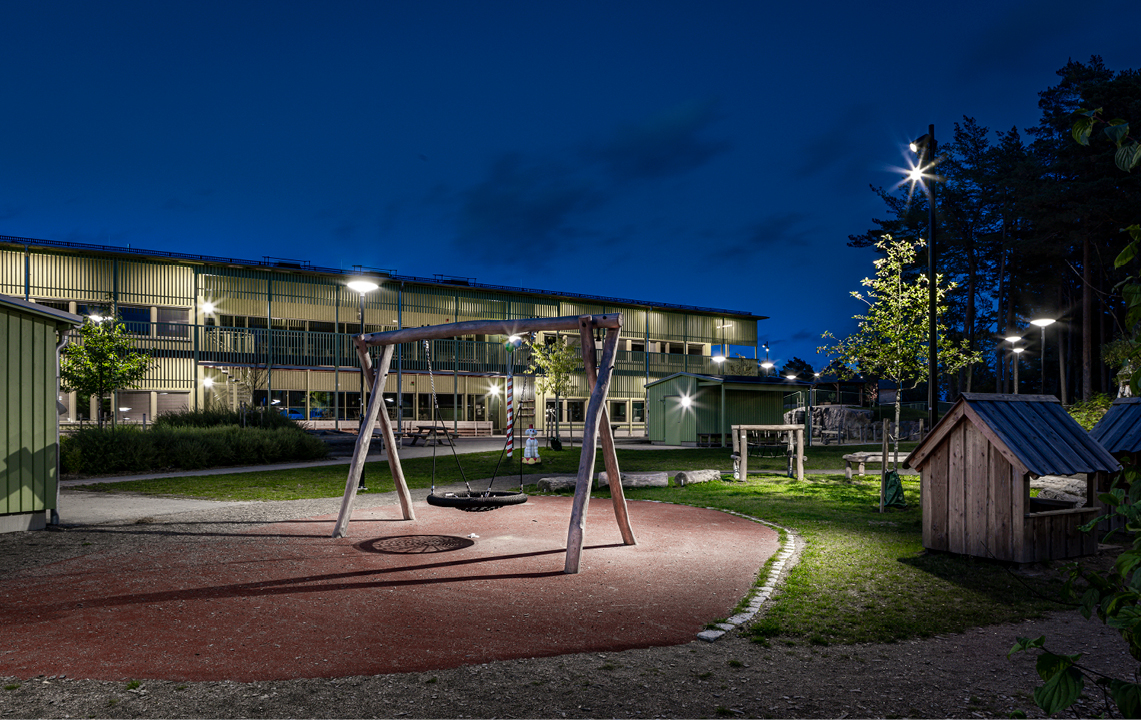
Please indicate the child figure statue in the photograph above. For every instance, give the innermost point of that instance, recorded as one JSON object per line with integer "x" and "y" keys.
{"x": 531, "y": 448}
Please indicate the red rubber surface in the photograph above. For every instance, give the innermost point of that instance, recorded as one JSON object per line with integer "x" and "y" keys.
{"x": 288, "y": 601}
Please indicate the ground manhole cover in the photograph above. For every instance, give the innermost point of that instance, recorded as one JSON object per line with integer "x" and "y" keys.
{"x": 415, "y": 544}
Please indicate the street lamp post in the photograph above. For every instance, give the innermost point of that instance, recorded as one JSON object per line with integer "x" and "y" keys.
{"x": 1017, "y": 355}
{"x": 1043, "y": 323}
{"x": 1013, "y": 339}
{"x": 926, "y": 148}
{"x": 363, "y": 287}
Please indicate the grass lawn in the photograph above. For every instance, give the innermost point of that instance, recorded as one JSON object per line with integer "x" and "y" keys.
{"x": 863, "y": 576}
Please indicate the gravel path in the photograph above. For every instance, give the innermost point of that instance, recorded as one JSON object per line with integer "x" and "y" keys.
{"x": 965, "y": 675}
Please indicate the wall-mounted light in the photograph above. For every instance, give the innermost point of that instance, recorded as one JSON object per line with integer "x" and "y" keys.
{"x": 208, "y": 308}
{"x": 208, "y": 382}
{"x": 686, "y": 401}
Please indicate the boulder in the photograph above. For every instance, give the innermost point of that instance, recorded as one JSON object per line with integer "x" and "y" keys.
{"x": 689, "y": 477}
{"x": 557, "y": 484}
{"x": 638, "y": 479}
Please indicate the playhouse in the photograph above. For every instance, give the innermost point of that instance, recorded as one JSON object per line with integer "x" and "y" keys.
{"x": 976, "y": 466}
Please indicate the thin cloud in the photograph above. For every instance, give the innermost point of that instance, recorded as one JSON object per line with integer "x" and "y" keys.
{"x": 665, "y": 145}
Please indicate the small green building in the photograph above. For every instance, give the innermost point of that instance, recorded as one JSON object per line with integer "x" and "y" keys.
{"x": 31, "y": 336}
{"x": 691, "y": 409}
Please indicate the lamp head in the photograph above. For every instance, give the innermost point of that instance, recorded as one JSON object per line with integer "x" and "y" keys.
{"x": 1013, "y": 338}
{"x": 767, "y": 365}
{"x": 1019, "y": 351}
{"x": 362, "y": 286}
{"x": 790, "y": 376}
{"x": 1043, "y": 322}
{"x": 920, "y": 144}
{"x": 718, "y": 359}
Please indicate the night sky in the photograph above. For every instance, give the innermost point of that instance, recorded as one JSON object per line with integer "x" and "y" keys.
{"x": 714, "y": 153}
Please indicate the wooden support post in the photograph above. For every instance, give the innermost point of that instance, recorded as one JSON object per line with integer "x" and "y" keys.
{"x": 800, "y": 455}
{"x": 364, "y": 439}
{"x": 883, "y": 466}
{"x": 609, "y": 456}
{"x": 744, "y": 453}
{"x": 586, "y": 458}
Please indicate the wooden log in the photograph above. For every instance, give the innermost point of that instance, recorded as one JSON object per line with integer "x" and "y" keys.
{"x": 490, "y": 327}
{"x": 609, "y": 455}
{"x": 575, "y": 534}
{"x": 397, "y": 471}
{"x": 364, "y": 439}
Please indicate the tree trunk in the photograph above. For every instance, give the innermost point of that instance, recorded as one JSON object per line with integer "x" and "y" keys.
{"x": 1061, "y": 353}
{"x": 972, "y": 271}
{"x": 1087, "y": 323}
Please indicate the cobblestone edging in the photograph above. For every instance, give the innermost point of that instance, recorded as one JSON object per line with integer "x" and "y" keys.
{"x": 784, "y": 562}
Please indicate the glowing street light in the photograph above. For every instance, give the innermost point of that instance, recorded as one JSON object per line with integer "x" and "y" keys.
{"x": 1043, "y": 323}
{"x": 925, "y": 149}
{"x": 1013, "y": 339}
{"x": 363, "y": 287}
{"x": 767, "y": 366}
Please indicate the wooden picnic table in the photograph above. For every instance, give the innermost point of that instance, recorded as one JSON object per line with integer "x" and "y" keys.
{"x": 428, "y": 433}
{"x": 862, "y": 458}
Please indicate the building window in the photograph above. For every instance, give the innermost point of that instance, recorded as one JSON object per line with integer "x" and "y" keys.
{"x": 576, "y": 410}
{"x": 618, "y": 411}
{"x": 639, "y": 411}
{"x": 137, "y": 320}
{"x": 172, "y": 322}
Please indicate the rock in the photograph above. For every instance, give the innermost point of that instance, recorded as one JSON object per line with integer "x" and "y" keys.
{"x": 557, "y": 484}
{"x": 636, "y": 479}
{"x": 689, "y": 477}
{"x": 1058, "y": 495}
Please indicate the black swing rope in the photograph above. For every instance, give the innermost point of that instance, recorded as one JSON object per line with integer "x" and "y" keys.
{"x": 472, "y": 501}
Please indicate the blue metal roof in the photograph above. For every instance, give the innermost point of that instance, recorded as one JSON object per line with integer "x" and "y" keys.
{"x": 1119, "y": 431}
{"x": 1040, "y": 433}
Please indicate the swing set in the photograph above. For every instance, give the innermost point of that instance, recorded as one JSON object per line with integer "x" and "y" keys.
{"x": 597, "y": 423}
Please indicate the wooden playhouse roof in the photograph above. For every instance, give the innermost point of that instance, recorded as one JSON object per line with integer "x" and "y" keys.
{"x": 1119, "y": 431}
{"x": 1032, "y": 431}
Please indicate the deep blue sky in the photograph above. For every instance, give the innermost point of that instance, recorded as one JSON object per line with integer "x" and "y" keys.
{"x": 714, "y": 153}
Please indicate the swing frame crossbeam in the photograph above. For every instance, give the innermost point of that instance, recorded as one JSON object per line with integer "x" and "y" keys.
{"x": 597, "y": 420}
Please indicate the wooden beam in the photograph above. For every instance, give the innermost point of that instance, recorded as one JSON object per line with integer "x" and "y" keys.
{"x": 390, "y": 441}
{"x": 586, "y": 459}
{"x": 609, "y": 456}
{"x": 364, "y": 438}
{"x": 489, "y": 327}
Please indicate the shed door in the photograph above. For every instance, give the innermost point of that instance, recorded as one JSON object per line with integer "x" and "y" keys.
{"x": 675, "y": 413}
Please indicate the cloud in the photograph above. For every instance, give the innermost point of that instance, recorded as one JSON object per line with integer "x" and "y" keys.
{"x": 805, "y": 335}
{"x": 833, "y": 145}
{"x": 667, "y": 144}
{"x": 768, "y": 234}
{"x": 523, "y": 204}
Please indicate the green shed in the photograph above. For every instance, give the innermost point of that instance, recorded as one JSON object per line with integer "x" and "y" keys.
{"x": 32, "y": 336}
{"x": 691, "y": 409}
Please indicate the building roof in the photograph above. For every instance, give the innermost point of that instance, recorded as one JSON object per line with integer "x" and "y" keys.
{"x": 59, "y": 316}
{"x": 1032, "y": 431}
{"x": 1119, "y": 430}
{"x": 305, "y": 267}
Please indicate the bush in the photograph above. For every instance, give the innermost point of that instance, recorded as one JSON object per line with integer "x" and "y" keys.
{"x": 95, "y": 451}
{"x": 1088, "y": 412}
{"x": 215, "y": 417}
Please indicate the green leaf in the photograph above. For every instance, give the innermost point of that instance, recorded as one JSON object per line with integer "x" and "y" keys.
{"x": 1117, "y": 131}
{"x": 1082, "y": 130}
{"x": 1022, "y": 644}
{"x": 1126, "y": 255}
{"x": 1127, "y": 695}
{"x": 1064, "y": 682}
{"x": 1128, "y": 156}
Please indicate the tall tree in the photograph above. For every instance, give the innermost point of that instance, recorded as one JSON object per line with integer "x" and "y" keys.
{"x": 553, "y": 363}
{"x": 892, "y": 337}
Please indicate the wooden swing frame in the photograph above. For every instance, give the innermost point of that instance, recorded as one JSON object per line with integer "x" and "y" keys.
{"x": 597, "y": 419}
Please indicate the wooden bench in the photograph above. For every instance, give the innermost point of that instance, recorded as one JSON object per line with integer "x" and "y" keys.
{"x": 862, "y": 458}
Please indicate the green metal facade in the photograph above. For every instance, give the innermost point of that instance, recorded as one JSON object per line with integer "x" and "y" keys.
{"x": 745, "y": 404}
{"x": 28, "y": 410}
{"x": 297, "y": 320}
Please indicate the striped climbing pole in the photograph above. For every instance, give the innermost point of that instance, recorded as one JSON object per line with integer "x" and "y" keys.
{"x": 510, "y": 414}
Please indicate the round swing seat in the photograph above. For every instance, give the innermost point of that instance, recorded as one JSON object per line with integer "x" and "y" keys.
{"x": 476, "y": 501}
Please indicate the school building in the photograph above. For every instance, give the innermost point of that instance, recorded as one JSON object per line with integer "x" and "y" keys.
{"x": 277, "y": 333}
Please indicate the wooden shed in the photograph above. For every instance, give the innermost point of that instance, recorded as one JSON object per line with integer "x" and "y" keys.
{"x": 976, "y": 466}
{"x": 692, "y": 409}
{"x": 30, "y": 338}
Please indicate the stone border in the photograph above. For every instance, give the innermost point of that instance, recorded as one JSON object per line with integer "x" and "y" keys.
{"x": 785, "y": 558}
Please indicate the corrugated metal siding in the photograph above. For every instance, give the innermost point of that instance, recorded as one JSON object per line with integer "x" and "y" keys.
{"x": 666, "y": 326}
{"x": 70, "y": 276}
{"x": 1040, "y": 433}
{"x": 12, "y": 273}
{"x": 682, "y": 385}
{"x": 235, "y": 291}
{"x": 27, "y": 413}
{"x": 1119, "y": 431}
{"x": 143, "y": 283}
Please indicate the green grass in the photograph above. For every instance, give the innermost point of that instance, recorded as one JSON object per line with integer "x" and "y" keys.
{"x": 863, "y": 576}
{"x": 329, "y": 481}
